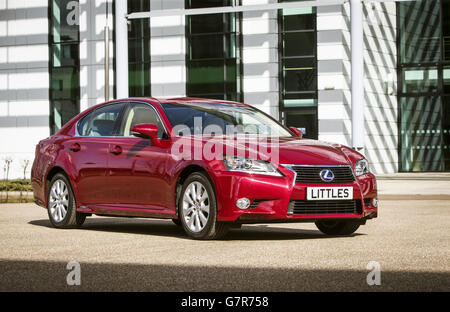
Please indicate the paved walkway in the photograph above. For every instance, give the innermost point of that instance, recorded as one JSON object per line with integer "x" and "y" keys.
{"x": 414, "y": 186}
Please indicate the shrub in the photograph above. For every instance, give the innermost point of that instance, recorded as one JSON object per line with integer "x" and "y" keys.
{"x": 16, "y": 185}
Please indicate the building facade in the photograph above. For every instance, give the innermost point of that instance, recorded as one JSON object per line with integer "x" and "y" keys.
{"x": 291, "y": 63}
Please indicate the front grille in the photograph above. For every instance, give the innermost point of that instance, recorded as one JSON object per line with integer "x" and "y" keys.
{"x": 305, "y": 207}
{"x": 311, "y": 174}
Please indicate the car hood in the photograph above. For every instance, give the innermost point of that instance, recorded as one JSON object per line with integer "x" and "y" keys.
{"x": 289, "y": 150}
{"x": 310, "y": 152}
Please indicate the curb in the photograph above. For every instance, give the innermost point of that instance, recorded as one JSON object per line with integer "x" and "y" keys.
{"x": 414, "y": 197}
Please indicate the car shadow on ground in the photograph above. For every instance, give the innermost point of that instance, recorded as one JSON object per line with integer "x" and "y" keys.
{"x": 26, "y": 275}
{"x": 167, "y": 228}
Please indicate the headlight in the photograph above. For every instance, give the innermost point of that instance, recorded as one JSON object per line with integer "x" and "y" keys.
{"x": 361, "y": 167}
{"x": 241, "y": 164}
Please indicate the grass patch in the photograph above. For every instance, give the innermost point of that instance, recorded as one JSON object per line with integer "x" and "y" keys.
{"x": 23, "y": 185}
{"x": 14, "y": 187}
{"x": 16, "y": 200}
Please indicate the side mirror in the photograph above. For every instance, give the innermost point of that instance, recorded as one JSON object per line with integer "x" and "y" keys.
{"x": 296, "y": 132}
{"x": 147, "y": 130}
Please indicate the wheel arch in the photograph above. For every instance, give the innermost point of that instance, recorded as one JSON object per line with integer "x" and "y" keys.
{"x": 184, "y": 174}
{"x": 51, "y": 173}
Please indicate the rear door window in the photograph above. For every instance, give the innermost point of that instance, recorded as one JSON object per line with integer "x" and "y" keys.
{"x": 102, "y": 121}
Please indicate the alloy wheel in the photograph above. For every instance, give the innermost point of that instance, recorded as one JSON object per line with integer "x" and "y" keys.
{"x": 196, "y": 209}
{"x": 59, "y": 200}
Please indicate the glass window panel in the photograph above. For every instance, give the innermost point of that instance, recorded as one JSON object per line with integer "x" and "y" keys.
{"x": 300, "y": 103}
{"x": 300, "y": 80}
{"x": 230, "y": 24}
{"x": 65, "y": 21}
{"x": 64, "y": 69}
{"x": 65, "y": 54}
{"x": 139, "y": 50}
{"x": 299, "y": 44}
{"x": 64, "y": 83}
{"x": 231, "y": 74}
{"x": 213, "y": 58}
{"x": 446, "y": 29}
{"x": 299, "y": 63}
{"x": 197, "y": 4}
{"x": 419, "y": 31}
{"x": 306, "y": 120}
{"x": 139, "y": 79}
{"x": 421, "y": 133}
{"x": 209, "y": 23}
{"x": 206, "y": 77}
{"x": 301, "y": 95}
{"x": 138, "y": 5}
{"x": 212, "y": 23}
{"x": 206, "y": 46}
{"x": 62, "y": 112}
{"x": 138, "y": 28}
{"x": 305, "y": 21}
{"x": 420, "y": 79}
{"x": 298, "y": 11}
{"x": 446, "y": 131}
{"x": 446, "y": 79}
{"x": 299, "y": 74}
{"x": 299, "y": 69}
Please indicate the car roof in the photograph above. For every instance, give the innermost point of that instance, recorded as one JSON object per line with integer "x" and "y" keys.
{"x": 188, "y": 100}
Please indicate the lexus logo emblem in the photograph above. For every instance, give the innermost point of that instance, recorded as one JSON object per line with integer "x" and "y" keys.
{"x": 327, "y": 175}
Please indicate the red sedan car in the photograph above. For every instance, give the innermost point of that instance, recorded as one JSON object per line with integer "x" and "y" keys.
{"x": 206, "y": 164}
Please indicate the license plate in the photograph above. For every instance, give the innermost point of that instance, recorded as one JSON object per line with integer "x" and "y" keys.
{"x": 329, "y": 193}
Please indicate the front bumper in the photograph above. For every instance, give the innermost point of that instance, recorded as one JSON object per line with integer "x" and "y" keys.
{"x": 272, "y": 198}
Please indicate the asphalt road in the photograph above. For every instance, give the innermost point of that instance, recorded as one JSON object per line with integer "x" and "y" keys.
{"x": 410, "y": 241}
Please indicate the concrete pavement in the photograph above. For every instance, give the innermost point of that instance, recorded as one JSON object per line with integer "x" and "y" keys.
{"x": 419, "y": 186}
{"x": 410, "y": 241}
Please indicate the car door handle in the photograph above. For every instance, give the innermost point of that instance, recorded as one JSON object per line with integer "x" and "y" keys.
{"x": 75, "y": 147}
{"x": 116, "y": 150}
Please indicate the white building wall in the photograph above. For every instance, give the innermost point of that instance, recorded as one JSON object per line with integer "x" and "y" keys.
{"x": 381, "y": 109}
{"x": 333, "y": 59}
{"x": 260, "y": 58}
{"x": 24, "y": 82}
{"x": 24, "y": 78}
{"x": 168, "y": 51}
{"x": 92, "y": 52}
{"x": 334, "y": 82}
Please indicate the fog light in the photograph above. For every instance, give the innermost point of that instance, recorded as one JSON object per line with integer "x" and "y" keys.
{"x": 243, "y": 203}
{"x": 375, "y": 202}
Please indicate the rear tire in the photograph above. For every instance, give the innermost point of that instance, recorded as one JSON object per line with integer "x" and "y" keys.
{"x": 61, "y": 205}
{"x": 197, "y": 209}
{"x": 337, "y": 227}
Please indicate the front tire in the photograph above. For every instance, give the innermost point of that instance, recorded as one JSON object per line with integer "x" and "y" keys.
{"x": 337, "y": 227}
{"x": 61, "y": 205}
{"x": 197, "y": 209}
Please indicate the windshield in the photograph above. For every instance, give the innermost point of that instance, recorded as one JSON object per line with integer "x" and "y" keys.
{"x": 216, "y": 118}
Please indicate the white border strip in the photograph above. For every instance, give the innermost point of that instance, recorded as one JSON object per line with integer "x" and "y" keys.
{"x": 231, "y": 9}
